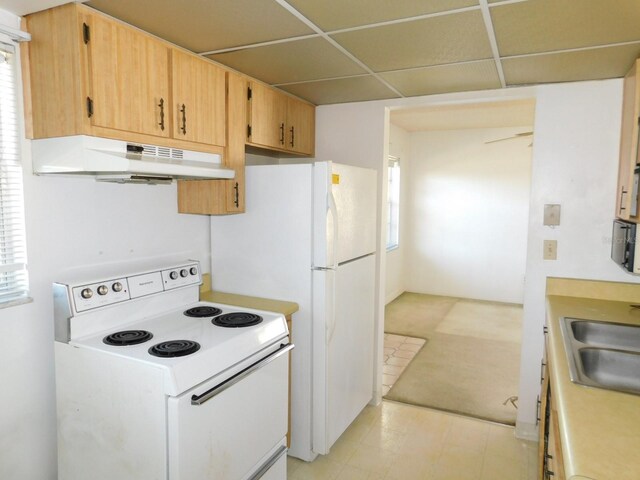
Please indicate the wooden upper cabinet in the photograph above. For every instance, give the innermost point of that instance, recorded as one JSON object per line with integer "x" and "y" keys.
{"x": 87, "y": 73}
{"x": 129, "y": 78}
{"x": 279, "y": 122}
{"x": 627, "y": 205}
{"x": 198, "y": 99}
{"x": 222, "y": 197}
{"x": 267, "y": 114}
{"x": 301, "y": 126}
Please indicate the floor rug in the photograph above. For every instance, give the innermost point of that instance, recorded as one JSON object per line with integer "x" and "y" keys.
{"x": 470, "y": 364}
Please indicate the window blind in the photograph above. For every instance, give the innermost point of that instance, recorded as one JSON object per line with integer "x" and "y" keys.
{"x": 14, "y": 282}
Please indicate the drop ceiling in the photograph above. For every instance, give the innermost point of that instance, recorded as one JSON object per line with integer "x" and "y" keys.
{"x": 334, "y": 51}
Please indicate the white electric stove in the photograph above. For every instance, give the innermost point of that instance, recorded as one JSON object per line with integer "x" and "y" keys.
{"x": 154, "y": 384}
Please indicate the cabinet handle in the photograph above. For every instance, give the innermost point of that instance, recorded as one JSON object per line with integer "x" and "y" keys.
{"x": 183, "y": 110}
{"x": 282, "y": 134}
{"x": 161, "y": 105}
{"x": 538, "y": 405}
{"x": 236, "y": 201}
{"x": 293, "y": 137}
{"x": 542, "y": 365}
{"x": 622, "y": 192}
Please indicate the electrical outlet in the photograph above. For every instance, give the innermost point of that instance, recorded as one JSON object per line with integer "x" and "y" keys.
{"x": 551, "y": 214}
{"x": 550, "y": 250}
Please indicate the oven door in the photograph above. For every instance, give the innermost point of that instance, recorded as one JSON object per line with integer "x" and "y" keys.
{"x": 225, "y": 430}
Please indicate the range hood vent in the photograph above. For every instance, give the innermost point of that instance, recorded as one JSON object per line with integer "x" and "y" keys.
{"x": 118, "y": 161}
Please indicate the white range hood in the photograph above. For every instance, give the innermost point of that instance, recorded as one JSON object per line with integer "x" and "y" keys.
{"x": 123, "y": 162}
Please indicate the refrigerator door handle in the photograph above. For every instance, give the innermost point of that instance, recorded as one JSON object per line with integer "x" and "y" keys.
{"x": 331, "y": 202}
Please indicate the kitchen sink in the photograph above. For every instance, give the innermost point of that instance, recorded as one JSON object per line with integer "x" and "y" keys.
{"x": 613, "y": 369}
{"x": 609, "y": 335}
{"x": 601, "y": 354}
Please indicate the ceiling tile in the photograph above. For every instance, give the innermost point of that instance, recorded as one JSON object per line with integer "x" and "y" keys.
{"x": 363, "y": 12}
{"x": 445, "y": 39}
{"x": 298, "y": 61}
{"x": 206, "y": 25}
{"x": 600, "y": 63}
{"x": 445, "y": 78}
{"x": 354, "y": 89}
{"x": 547, "y": 25}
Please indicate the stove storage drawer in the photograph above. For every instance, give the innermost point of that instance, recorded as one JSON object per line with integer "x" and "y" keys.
{"x": 224, "y": 430}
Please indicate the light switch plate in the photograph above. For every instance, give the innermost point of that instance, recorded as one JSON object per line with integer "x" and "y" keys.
{"x": 551, "y": 214}
{"x": 550, "y": 250}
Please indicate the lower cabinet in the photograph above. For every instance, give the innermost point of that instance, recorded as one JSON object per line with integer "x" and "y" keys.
{"x": 551, "y": 463}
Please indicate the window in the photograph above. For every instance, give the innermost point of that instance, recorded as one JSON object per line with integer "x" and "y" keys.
{"x": 393, "y": 203}
{"x": 13, "y": 255}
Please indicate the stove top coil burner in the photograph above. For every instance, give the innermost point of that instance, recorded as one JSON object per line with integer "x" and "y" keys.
{"x": 202, "y": 311}
{"x": 174, "y": 348}
{"x": 127, "y": 337}
{"x": 237, "y": 319}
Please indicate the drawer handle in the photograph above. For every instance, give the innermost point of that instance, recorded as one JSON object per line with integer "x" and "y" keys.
{"x": 269, "y": 463}
{"x": 209, "y": 394}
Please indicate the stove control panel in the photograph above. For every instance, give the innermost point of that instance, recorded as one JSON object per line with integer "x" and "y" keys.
{"x": 101, "y": 294}
{"x": 116, "y": 290}
{"x": 181, "y": 276}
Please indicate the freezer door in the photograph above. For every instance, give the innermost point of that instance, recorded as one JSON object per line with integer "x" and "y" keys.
{"x": 354, "y": 191}
{"x": 344, "y": 211}
{"x": 343, "y": 348}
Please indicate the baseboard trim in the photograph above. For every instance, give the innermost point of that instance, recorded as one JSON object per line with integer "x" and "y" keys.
{"x": 393, "y": 295}
{"x": 527, "y": 431}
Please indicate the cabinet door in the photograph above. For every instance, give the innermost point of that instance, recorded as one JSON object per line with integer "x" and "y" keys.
{"x": 129, "y": 78}
{"x": 219, "y": 197}
{"x": 627, "y": 194}
{"x": 198, "y": 99}
{"x": 301, "y": 124}
{"x": 267, "y": 116}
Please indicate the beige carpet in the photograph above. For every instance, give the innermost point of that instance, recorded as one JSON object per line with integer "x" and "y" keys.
{"x": 471, "y": 362}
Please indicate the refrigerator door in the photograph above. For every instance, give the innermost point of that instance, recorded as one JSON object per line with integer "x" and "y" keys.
{"x": 354, "y": 191}
{"x": 343, "y": 313}
{"x": 344, "y": 206}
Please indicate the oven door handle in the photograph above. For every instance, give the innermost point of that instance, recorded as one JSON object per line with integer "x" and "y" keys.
{"x": 209, "y": 394}
{"x": 269, "y": 463}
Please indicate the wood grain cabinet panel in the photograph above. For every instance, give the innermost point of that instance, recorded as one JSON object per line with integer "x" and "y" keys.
{"x": 221, "y": 197}
{"x": 129, "y": 78}
{"x": 267, "y": 116}
{"x": 198, "y": 99}
{"x": 627, "y": 205}
{"x": 300, "y": 127}
{"x": 279, "y": 122}
{"x": 87, "y": 73}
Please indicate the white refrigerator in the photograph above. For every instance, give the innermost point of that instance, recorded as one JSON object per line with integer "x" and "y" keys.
{"x": 309, "y": 236}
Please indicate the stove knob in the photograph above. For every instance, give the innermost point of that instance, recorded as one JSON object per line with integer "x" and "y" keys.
{"x": 102, "y": 290}
{"x": 173, "y": 275}
{"x": 183, "y": 272}
{"x": 86, "y": 293}
{"x": 193, "y": 271}
{"x": 116, "y": 287}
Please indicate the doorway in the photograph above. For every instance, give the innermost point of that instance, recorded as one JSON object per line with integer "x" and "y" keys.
{"x": 456, "y": 277}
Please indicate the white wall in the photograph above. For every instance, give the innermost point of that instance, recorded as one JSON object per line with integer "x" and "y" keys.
{"x": 574, "y": 163}
{"x": 72, "y": 223}
{"x": 468, "y": 212}
{"x": 394, "y": 281}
